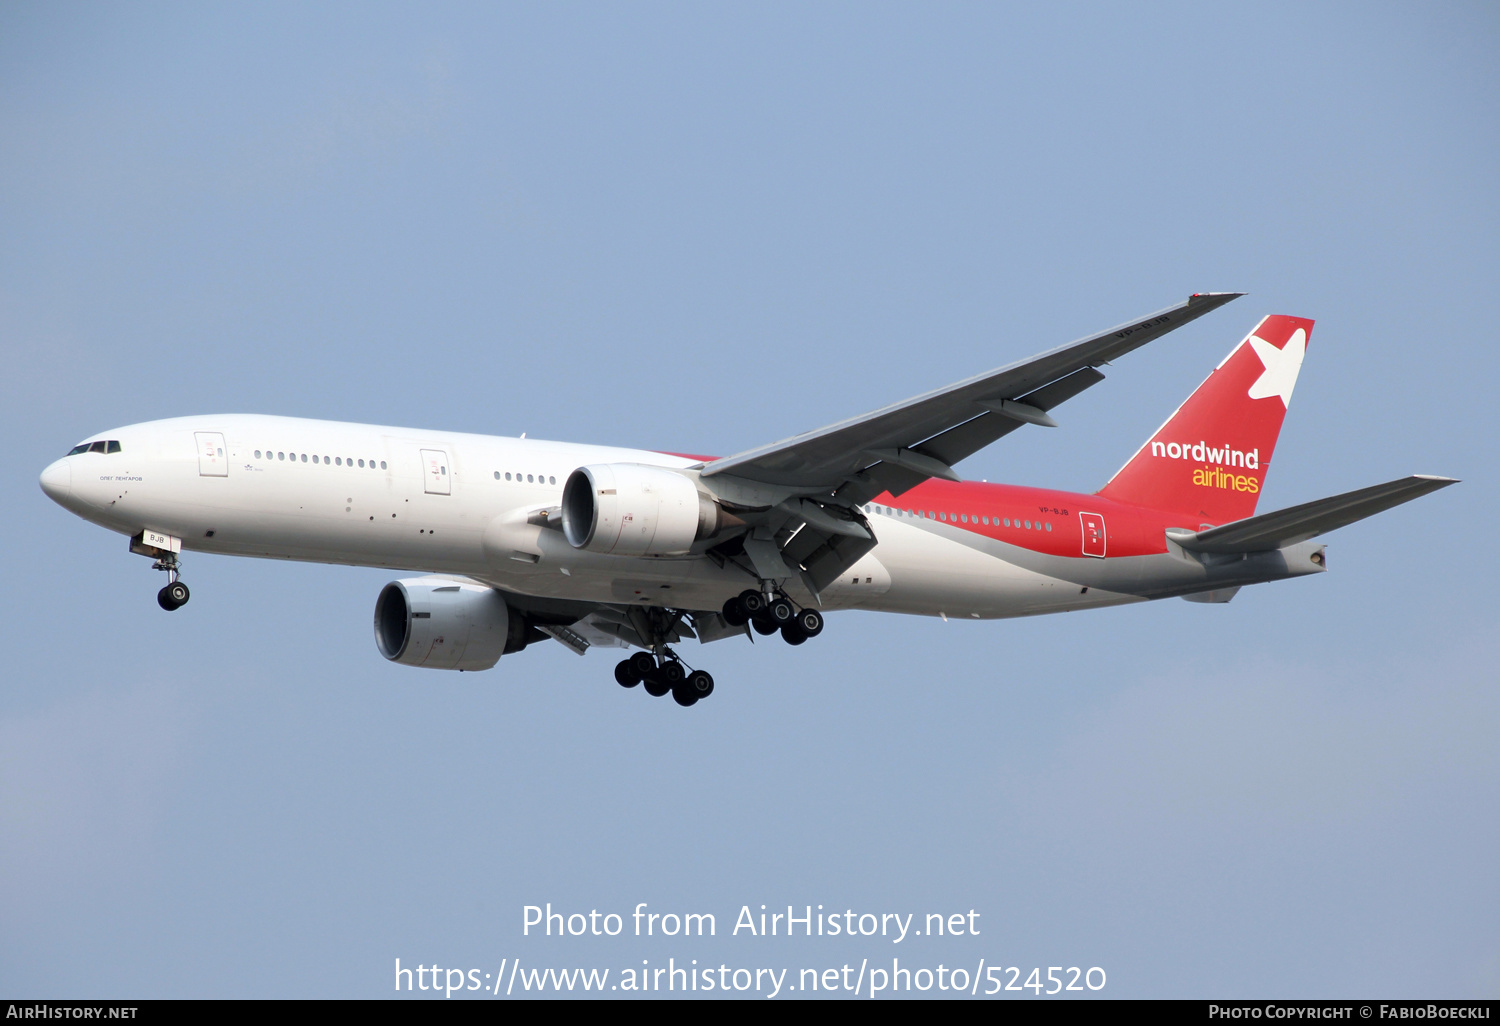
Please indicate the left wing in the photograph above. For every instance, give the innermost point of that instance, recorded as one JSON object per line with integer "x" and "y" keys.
{"x": 898, "y": 447}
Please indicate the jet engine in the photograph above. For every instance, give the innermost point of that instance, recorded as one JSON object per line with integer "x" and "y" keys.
{"x": 629, "y": 509}
{"x": 446, "y": 624}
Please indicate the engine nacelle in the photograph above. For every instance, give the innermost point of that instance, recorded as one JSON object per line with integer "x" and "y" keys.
{"x": 629, "y": 509}
{"x": 444, "y": 624}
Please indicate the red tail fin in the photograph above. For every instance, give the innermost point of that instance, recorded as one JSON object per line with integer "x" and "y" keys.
{"x": 1209, "y": 459}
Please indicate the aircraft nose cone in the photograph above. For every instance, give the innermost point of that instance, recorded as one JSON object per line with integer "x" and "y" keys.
{"x": 57, "y": 481}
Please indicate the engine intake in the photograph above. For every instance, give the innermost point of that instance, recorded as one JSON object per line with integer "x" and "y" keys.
{"x": 629, "y": 509}
{"x": 444, "y": 624}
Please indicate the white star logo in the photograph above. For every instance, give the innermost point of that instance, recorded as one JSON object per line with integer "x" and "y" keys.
{"x": 1281, "y": 367}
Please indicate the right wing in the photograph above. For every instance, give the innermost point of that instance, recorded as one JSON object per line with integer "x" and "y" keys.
{"x": 898, "y": 447}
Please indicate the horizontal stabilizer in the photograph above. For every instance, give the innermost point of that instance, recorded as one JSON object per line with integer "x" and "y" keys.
{"x": 1299, "y": 523}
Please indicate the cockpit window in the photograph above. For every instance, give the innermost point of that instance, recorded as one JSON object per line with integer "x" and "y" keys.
{"x": 104, "y": 447}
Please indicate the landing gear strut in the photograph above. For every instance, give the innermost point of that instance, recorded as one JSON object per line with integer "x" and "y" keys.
{"x": 175, "y": 595}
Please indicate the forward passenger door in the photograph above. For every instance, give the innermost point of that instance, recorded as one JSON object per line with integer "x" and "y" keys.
{"x": 213, "y": 457}
{"x": 436, "y": 478}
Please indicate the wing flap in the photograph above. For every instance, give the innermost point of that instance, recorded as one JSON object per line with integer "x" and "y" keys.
{"x": 837, "y": 553}
{"x": 1299, "y": 523}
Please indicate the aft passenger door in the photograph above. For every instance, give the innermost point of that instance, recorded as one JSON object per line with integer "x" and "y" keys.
{"x": 436, "y": 480}
{"x": 213, "y": 457}
{"x": 1094, "y": 539}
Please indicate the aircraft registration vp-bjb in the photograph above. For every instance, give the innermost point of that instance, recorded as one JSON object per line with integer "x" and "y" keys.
{"x": 522, "y": 540}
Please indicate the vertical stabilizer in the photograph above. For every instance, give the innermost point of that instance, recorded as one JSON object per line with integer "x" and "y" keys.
{"x": 1209, "y": 460}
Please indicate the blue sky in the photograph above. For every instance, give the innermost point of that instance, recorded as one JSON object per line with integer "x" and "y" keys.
{"x": 701, "y": 228}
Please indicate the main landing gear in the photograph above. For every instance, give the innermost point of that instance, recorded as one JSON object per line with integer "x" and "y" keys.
{"x": 664, "y": 673}
{"x": 175, "y": 595}
{"x": 767, "y": 614}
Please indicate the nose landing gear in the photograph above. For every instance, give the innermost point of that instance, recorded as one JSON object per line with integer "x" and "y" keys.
{"x": 175, "y": 595}
{"x": 164, "y": 548}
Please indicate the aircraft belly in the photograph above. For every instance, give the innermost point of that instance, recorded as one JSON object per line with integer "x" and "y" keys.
{"x": 560, "y": 571}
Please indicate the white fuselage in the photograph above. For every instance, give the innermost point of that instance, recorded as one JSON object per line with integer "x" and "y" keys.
{"x": 434, "y": 501}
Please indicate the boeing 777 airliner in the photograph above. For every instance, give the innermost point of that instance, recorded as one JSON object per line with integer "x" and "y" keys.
{"x": 520, "y": 540}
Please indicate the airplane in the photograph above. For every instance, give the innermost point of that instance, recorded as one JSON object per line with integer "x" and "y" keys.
{"x": 519, "y": 541}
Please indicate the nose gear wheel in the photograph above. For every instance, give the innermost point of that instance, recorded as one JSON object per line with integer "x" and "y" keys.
{"x": 175, "y": 595}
